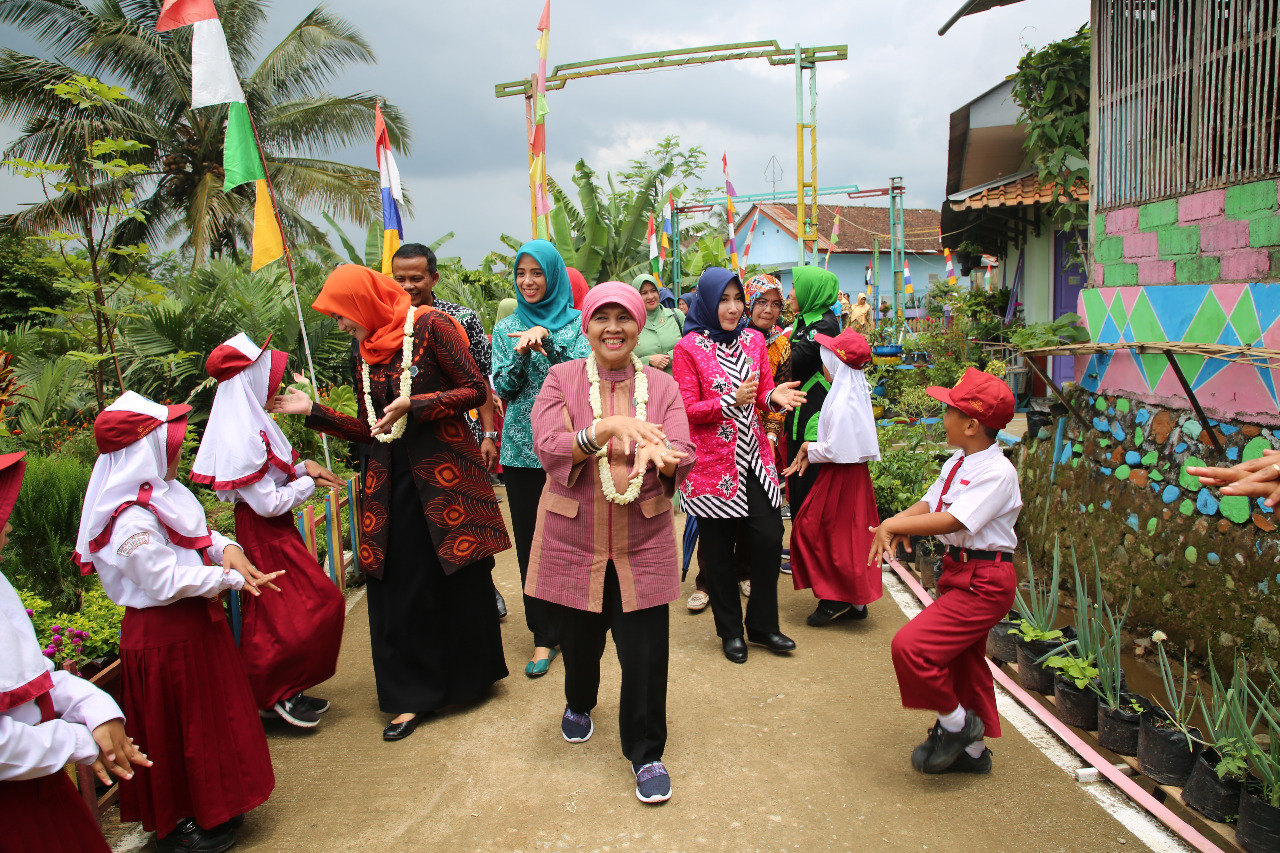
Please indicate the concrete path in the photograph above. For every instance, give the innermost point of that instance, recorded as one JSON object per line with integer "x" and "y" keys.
{"x": 802, "y": 752}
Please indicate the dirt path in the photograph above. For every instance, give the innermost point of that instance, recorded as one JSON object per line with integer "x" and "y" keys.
{"x": 807, "y": 752}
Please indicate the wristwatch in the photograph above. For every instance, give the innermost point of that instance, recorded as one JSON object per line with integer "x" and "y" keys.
{"x": 493, "y": 435}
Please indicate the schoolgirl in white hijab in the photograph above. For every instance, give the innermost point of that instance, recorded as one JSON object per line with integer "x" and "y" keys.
{"x": 830, "y": 535}
{"x": 48, "y": 718}
{"x": 289, "y": 643}
{"x": 184, "y": 688}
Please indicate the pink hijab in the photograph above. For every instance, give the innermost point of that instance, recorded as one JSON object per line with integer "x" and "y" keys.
{"x": 613, "y": 293}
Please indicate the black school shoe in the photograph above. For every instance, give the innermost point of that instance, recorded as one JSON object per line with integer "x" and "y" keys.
{"x": 189, "y": 837}
{"x": 943, "y": 748}
{"x": 966, "y": 763}
{"x": 827, "y": 611}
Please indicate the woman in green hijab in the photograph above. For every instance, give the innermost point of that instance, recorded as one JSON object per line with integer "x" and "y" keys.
{"x": 814, "y": 293}
{"x": 662, "y": 328}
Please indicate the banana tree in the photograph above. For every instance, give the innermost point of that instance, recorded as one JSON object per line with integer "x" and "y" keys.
{"x": 604, "y": 237}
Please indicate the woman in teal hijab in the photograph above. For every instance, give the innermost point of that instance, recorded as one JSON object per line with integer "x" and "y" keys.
{"x": 663, "y": 327}
{"x": 814, "y": 292}
{"x": 544, "y": 330}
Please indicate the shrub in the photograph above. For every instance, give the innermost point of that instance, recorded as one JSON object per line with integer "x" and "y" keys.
{"x": 45, "y": 519}
{"x": 98, "y": 618}
{"x": 905, "y": 470}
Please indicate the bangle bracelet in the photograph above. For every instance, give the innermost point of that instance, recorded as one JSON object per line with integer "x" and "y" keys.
{"x": 594, "y": 443}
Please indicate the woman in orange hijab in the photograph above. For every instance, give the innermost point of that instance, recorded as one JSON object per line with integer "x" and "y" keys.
{"x": 429, "y": 521}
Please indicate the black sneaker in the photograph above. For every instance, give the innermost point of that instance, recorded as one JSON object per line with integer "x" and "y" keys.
{"x": 827, "y": 611}
{"x": 315, "y": 703}
{"x": 966, "y": 763}
{"x": 653, "y": 783}
{"x": 576, "y": 728}
{"x": 297, "y": 711}
{"x": 189, "y": 837}
{"x": 501, "y": 602}
{"x": 855, "y": 613}
{"x": 942, "y": 748}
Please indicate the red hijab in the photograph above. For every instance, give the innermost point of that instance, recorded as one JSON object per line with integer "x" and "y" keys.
{"x": 369, "y": 299}
{"x": 578, "y": 284}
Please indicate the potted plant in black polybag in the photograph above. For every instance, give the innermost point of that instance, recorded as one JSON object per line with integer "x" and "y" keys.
{"x": 1167, "y": 742}
{"x": 1213, "y": 788}
{"x": 1038, "y": 639}
{"x": 1258, "y": 827}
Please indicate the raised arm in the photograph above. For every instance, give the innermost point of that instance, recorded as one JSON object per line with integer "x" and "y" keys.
{"x": 468, "y": 390}
{"x": 685, "y": 370}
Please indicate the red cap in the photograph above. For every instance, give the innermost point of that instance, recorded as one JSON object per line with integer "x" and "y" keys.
{"x": 981, "y": 396}
{"x": 117, "y": 429}
{"x": 849, "y": 346}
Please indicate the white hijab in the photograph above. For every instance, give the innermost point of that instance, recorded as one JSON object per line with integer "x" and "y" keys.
{"x": 847, "y": 428}
{"x": 119, "y": 476}
{"x": 24, "y": 671}
{"x": 241, "y": 441}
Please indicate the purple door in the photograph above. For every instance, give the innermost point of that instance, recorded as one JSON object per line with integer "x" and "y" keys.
{"x": 1068, "y": 280}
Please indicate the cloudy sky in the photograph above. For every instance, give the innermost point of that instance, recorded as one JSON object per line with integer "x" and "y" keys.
{"x": 883, "y": 112}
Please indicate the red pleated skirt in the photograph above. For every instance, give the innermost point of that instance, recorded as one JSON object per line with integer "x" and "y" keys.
{"x": 189, "y": 707}
{"x": 830, "y": 538}
{"x": 289, "y": 640}
{"x": 47, "y": 815}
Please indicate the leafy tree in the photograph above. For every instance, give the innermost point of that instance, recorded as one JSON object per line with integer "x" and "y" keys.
{"x": 1052, "y": 87}
{"x": 180, "y": 189}
{"x": 94, "y": 194}
{"x": 27, "y": 277}
{"x": 687, "y": 169}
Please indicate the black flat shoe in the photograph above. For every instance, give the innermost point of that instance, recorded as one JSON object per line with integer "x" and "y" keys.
{"x": 774, "y": 642}
{"x": 827, "y": 611}
{"x": 400, "y": 731}
{"x": 735, "y": 650}
{"x": 189, "y": 837}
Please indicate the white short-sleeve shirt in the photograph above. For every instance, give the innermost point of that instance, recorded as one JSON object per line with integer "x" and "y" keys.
{"x": 984, "y": 496}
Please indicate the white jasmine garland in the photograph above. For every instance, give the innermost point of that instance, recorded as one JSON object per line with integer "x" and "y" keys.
{"x": 640, "y": 400}
{"x": 406, "y": 384}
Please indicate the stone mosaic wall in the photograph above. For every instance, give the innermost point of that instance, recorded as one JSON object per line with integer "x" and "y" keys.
{"x": 1204, "y": 568}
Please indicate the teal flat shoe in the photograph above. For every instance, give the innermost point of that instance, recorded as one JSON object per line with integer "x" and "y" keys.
{"x": 538, "y": 668}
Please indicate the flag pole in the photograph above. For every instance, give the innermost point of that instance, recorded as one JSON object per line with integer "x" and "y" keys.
{"x": 293, "y": 281}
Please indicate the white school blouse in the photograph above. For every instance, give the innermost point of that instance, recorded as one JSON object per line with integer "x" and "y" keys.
{"x": 984, "y": 496}
{"x": 141, "y": 568}
{"x": 274, "y": 495}
{"x": 30, "y": 749}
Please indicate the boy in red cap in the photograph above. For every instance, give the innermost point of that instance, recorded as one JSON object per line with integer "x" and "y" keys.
{"x": 940, "y": 655}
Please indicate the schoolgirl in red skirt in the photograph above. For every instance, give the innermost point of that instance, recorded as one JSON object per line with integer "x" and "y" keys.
{"x": 48, "y": 718}
{"x": 289, "y": 643}
{"x": 830, "y": 535}
{"x": 184, "y": 688}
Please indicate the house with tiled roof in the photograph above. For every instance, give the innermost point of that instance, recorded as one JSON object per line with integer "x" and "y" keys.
{"x": 994, "y": 201}
{"x": 773, "y": 245}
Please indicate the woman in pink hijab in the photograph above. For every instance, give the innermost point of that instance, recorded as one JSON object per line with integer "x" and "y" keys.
{"x": 613, "y": 438}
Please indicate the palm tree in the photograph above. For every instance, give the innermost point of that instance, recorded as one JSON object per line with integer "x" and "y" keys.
{"x": 298, "y": 121}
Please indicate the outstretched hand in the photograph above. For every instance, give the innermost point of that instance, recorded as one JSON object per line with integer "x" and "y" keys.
{"x": 234, "y": 559}
{"x": 397, "y": 409}
{"x": 116, "y": 752}
{"x": 630, "y": 431}
{"x": 290, "y": 402}
{"x": 801, "y": 463}
{"x": 662, "y": 457}
{"x": 322, "y": 475}
{"x": 530, "y": 339}
{"x": 885, "y": 543}
{"x": 788, "y": 396}
{"x": 1257, "y": 478}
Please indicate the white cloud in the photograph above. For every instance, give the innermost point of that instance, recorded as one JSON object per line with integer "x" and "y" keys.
{"x": 881, "y": 113}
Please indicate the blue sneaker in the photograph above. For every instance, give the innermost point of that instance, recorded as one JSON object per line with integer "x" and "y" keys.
{"x": 576, "y": 728}
{"x": 653, "y": 783}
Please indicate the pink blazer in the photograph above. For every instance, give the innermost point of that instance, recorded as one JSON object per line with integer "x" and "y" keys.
{"x": 706, "y": 390}
{"x": 578, "y": 531}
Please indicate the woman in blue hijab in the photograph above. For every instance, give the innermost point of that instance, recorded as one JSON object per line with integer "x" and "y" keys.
{"x": 666, "y": 298}
{"x": 544, "y": 330}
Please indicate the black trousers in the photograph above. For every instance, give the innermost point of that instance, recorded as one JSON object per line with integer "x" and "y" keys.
{"x": 524, "y": 490}
{"x": 762, "y": 536}
{"x": 641, "y": 638}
